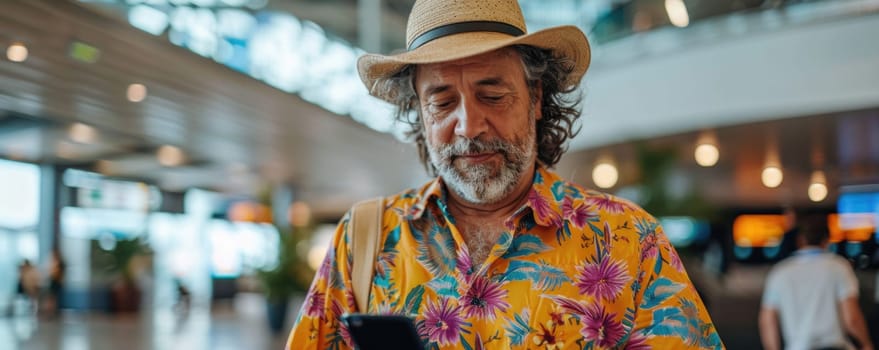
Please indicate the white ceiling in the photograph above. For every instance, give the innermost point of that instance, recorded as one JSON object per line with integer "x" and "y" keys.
{"x": 226, "y": 122}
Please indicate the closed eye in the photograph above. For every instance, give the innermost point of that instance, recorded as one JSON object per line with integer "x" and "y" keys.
{"x": 494, "y": 99}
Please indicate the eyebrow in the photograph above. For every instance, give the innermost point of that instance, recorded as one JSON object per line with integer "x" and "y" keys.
{"x": 494, "y": 81}
{"x": 435, "y": 89}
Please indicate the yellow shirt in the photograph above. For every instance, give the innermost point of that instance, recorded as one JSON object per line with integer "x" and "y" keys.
{"x": 576, "y": 269}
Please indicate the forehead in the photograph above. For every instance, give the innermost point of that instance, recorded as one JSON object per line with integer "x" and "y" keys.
{"x": 503, "y": 63}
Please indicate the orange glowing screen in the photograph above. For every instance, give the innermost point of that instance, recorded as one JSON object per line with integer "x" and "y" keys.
{"x": 250, "y": 212}
{"x": 759, "y": 230}
{"x": 852, "y": 227}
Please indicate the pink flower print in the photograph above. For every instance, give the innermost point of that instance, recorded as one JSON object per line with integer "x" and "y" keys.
{"x": 464, "y": 264}
{"x": 607, "y": 203}
{"x": 675, "y": 260}
{"x": 648, "y": 247}
{"x": 542, "y": 208}
{"x": 604, "y": 280}
{"x": 637, "y": 341}
{"x": 601, "y": 327}
{"x": 314, "y": 304}
{"x": 576, "y": 215}
{"x": 484, "y": 299}
{"x": 442, "y": 323}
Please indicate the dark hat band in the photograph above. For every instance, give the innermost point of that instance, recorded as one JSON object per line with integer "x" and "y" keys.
{"x": 464, "y": 27}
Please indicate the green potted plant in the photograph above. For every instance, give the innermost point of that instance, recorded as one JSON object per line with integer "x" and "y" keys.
{"x": 118, "y": 267}
{"x": 289, "y": 276}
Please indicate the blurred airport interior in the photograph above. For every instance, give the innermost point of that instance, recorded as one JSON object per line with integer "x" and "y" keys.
{"x": 173, "y": 170}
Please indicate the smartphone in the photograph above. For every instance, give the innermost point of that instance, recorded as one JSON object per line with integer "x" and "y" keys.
{"x": 381, "y": 332}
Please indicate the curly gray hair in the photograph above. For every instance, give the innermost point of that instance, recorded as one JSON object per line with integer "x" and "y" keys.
{"x": 543, "y": 70}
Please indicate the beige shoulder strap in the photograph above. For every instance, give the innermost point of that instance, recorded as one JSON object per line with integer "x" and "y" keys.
{"x": 364, "y": 233}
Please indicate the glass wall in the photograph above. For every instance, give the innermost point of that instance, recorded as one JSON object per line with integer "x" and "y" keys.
{"x": 19, "y": 212}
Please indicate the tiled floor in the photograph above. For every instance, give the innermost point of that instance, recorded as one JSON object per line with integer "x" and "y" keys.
{"x": 241, "y": 325}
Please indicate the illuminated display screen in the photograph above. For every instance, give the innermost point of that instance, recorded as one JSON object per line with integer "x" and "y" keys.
{"x": 852, "y": 227}
{"x": 857, "y": 218}
{"x": 759, "y": 230}
{"x": 865, "y": 202}
{"x": 683, "y": 231}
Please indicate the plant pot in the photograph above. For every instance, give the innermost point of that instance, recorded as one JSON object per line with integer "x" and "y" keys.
{"x": 124, "y": 297}
{"x": 276, "y": 310}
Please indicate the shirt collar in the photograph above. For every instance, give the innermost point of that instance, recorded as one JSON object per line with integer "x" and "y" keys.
{"x": 547, "y": 196}
{"x": 546, "y": 187}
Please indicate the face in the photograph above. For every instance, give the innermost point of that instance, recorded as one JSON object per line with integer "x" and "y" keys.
{"x": 479, "y": 123}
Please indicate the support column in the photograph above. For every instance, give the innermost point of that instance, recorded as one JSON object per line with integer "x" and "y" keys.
{"x": 369, "y": 25}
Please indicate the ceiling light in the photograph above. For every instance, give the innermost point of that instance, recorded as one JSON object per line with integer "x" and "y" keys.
{"x": 170, "y": 156}
{"x": 605, "y": 175}
{"x": 818, "y": 187}
{"x": 136, "y": 92}
{"x": 772, "y": 176}
{"x": 82, "y": 133}
{"x": 300, "y": 214}
{"x": 105, "y": 167}
{"x": 677, "y": 13}
{"x": 707, "y": 155}
{"x": 65, "y": 149}
{"x": 16, "y": 52}
{"x": 817, "y": 192}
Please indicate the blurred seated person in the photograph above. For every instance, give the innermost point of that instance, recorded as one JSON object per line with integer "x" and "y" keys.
{"x": 28, "y": 286}
{"x": 813, "y": 295}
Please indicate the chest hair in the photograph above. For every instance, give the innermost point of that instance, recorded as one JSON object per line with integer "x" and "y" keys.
{"x": 480, "y": 238}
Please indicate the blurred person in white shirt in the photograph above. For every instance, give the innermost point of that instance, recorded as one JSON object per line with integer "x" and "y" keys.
{"x": 813, "y": 295}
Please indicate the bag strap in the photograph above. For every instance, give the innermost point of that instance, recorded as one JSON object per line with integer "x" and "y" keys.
{"x": 364, "y": 232}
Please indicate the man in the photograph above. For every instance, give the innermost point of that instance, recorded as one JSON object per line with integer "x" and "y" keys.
{"x": 498, "y": 251}
{"x": 814, "y": 295}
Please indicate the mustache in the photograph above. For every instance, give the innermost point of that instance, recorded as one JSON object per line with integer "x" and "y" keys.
{"x": 463, "y": 147}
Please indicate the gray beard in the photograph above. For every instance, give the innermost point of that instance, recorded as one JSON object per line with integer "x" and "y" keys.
{"x": 484, "y": 183}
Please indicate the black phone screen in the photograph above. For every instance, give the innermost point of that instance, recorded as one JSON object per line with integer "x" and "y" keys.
{"x": 380, "y": 332}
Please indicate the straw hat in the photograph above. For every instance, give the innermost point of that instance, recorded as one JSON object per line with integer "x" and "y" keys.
{"x": 447, "y": 30}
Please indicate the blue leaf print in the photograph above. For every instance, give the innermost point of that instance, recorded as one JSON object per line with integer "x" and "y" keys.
{"x": 413, "y": 300}
{"x": 629, "y": 318}
{"x": 517, "y": 328}
{"x": 599, "y": 234}
{"x": 436, "y": 250}
{"x": 657, "y": 269}
{"x": 573, "y": 192}
{"x": 465, "y": 343}
{"x": 390, "y": 246}
{"x": 335, "y": 279}
{"x": 543, "y": 276}
{"x": 659, "y": 291}
{"x": 669, "y": 322}
{"x": 504, "y": 240}
{"x": 524, "y": 245}
{"x": 563, "y": 233}
{"x": 446, "y": 286}
{"x": 645, "y": 227}
{"x": 558, "y": 190}
{"x": 382, "y": 281}
{"x": 538, "y": 179}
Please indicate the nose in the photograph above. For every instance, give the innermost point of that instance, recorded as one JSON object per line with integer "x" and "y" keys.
{"x": 471, "y": 120}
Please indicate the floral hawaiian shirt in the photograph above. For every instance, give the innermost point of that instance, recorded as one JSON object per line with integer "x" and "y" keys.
{"x": 576, "y": 269}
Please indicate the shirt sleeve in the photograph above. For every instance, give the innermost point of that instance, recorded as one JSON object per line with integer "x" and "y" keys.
{"x": 770, "y": 299}
{"x": 847, "y": 283}
{"x": 318, "y": 324}
{"x": 669, "y": 312}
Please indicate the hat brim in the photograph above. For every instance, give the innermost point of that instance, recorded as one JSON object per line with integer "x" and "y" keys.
{"x": 567, "y": 41}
